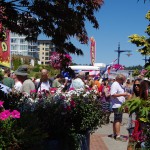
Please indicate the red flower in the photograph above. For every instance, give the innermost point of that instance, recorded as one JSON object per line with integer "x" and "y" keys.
{"x": 72, "y": 103}
{"x": 68, "y": 108}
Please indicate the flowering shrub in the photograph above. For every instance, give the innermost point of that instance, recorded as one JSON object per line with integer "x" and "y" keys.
{"x": 59, "y": 61}
{"x": 69, "y": 114}
{"x": 62, "y": 115}
{"x": 65, "y": 116}
{"x": 142, "y": 123}
{"x": 7, "y": 130}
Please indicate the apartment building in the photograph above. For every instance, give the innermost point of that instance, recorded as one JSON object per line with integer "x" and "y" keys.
{"x": 19, "y": 46}
{"x": 40, "y": 49}
{"x": 45, "y": 47}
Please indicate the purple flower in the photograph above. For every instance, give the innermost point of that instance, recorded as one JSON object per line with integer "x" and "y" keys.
{"x": 1, "y": 103}
{"x": 15, "y": 114}
{"x": 5, "y": 115}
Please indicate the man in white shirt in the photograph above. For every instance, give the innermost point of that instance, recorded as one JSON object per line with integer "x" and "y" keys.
{"x": 78, "y": 83}
{"x": 44, "y": 82}
{"x": 118, "y": 97}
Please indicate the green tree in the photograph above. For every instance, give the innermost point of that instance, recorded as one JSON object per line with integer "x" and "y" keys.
{"x": 142, "y": 41}
{"x": 16, "y": 62}
{"x": 136, "y": 72}
{"x": 58, "y": 19}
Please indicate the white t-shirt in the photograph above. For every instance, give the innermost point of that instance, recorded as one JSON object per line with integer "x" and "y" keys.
{"x": 44, "y": 86}
{"x": 18, "y": 86}
{"x": 5, "y": 88}
{"x": 77, "y": 83}
{"x": 116, "y": 88}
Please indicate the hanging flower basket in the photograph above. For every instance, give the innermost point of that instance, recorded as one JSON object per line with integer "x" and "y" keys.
{"x": 60, "y": 61}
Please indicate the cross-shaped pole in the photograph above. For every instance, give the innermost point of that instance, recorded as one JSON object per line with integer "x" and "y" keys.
{"x": 120, "y": 51}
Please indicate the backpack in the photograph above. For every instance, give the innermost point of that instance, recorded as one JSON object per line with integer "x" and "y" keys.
{"x": 39, "y": 84}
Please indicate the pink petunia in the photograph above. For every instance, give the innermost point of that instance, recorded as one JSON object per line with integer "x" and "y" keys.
{"x": 32, "y": 91}
{"x": 1, "y": 103}
{"x": 5, "y": 115}
{"x": 71, "y": 89}
{"x": 15, "y": 114}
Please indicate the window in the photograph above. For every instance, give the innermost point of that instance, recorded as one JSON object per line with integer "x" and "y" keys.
{"x": 23, "y": 47}
{"x": 22, "y": 41}
{"x": 46, "y": 58}
{"x": 47, "y": 54}
{"x": 13, "y": 40}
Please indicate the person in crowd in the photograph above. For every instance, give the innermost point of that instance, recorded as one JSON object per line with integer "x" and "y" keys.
{"x": 145, "y": 88}
{"x": 90, "y": 81}
{"x": 141, "y": 89}
{"x": 129, "y": 86}
{"x": 44, "y": 83}
{"x": 100, "y": 89}
{"x": 78, "y": 82}
{"x": 18, "y": 83}
{"x": 96, "y": 81}
{"x": 57, "y": 81}
{"x": 136, "y": 87}
{"x": 4, "y": 89}
{"x": 132, "y": 117}
{"x": 26, "y": 83}
{"x": 66, "y": 83}
{"x": 105, "y": 99}
{"x": 7, "y": 80}
{"x": 93, "y": 86}
{"x": 118, "y": 97}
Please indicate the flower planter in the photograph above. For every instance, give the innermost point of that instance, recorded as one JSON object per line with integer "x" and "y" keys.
{"x": 58, "y": 144}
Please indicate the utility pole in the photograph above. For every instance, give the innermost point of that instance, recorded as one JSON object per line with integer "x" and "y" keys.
{"x": 146, "y": 59}
{"x": 120, "y": 51}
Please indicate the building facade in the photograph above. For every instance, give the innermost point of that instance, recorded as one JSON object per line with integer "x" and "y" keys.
{"x": 40, "y": 49}
{"x": 19, "y": 46}
{"x": 45, "y": 47}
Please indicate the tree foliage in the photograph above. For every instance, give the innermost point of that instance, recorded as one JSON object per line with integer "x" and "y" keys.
{"x": 136, "y": 72}
{"x": 58, "y": 19}
{"x": 139, "y": 67}
{"x": 142, "y": 41}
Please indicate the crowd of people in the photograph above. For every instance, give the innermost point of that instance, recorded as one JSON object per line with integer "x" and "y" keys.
{"x": 111, "y": 92}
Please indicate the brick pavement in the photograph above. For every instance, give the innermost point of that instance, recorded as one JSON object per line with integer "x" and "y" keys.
{"x": 100, "y": 140}
{"x": 96, "y": 142}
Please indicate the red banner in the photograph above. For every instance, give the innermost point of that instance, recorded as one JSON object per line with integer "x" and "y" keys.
{"x": 93, "y": 50}
{"x": 5, "y": 49}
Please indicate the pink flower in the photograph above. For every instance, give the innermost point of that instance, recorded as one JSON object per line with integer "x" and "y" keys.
{"x": 15, "y": 114}
{"x": 32, "y": 91}
{"x": 5, "y": 115}
{"x": 71, "y": 89}
{"x": 1, "y": 103}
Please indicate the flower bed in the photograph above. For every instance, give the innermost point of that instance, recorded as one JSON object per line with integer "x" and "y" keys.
{"x": 65, "y": 116}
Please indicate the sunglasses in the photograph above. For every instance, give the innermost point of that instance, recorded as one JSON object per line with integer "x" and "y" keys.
{"x": 137, "y": 85}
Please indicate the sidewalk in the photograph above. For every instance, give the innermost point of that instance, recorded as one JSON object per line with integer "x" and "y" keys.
{"x": 100, "y": 140}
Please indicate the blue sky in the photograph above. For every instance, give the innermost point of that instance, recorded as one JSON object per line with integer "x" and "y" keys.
{"x": 118, "y": 19}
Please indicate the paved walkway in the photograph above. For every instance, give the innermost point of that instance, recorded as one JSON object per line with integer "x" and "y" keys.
{"x": 100, "y": 140}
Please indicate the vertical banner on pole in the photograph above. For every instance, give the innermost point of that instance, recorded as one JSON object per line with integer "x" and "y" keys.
{"x": 5, "y": 49}
{"x": 92, "y": 50}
